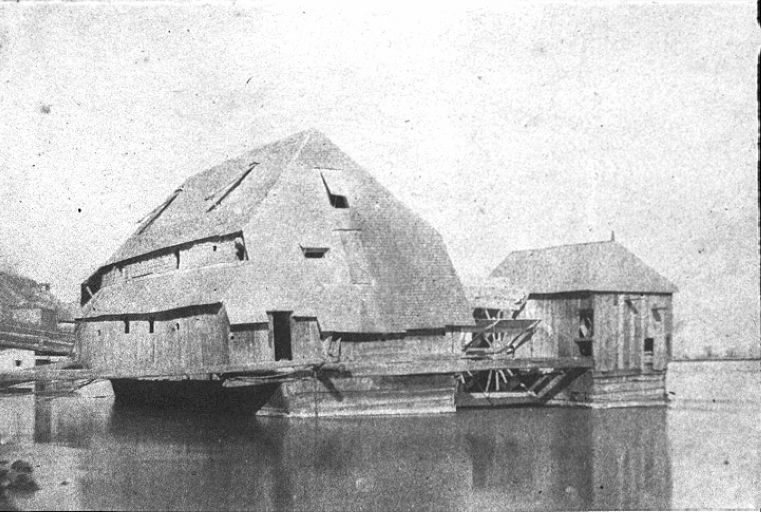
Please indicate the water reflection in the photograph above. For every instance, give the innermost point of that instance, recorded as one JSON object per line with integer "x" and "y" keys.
{"x": 499, "y": 459}
{"x": 528, "y": 459}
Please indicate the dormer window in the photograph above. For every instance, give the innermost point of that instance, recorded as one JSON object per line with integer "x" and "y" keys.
{"x": 314, "y": 252}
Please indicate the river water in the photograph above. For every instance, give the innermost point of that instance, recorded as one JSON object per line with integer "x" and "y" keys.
{"x": 89, "y": 454}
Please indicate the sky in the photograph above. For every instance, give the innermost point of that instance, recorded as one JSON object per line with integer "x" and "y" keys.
{"x": 506, "y": 125}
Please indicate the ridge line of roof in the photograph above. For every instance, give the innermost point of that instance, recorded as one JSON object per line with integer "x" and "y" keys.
{"x": 564, "y": 245}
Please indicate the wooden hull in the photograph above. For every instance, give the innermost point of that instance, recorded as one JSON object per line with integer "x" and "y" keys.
{"x": 191, "y": 394}
{"x": 615, "y": 389}
{"x": 494, "y": 399}
{"x": 358, "y": 396}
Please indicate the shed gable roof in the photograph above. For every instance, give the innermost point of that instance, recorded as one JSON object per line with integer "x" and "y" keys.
{"x": 597, "y": 266}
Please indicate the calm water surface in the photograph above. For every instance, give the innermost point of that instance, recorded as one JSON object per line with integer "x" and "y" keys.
{"x": 90, "y": 455}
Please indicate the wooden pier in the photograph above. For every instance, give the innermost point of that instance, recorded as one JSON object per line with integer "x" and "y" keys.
{"x": 334, "y": 383}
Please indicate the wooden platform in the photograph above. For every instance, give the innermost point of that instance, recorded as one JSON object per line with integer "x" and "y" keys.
{"x": 622, "y": 388}
{"x": 42, "y": 342}
{"x": 280, "y": 370}
{"x": 319, "y": 387}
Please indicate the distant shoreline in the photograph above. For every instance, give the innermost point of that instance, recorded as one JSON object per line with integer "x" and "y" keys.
{"x": 717, "y": 359}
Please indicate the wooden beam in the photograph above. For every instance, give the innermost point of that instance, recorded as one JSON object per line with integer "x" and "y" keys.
{"x": 551, "y": 384}
{"x": 538, "y": 383}
{"x": 429, "y": 366}
{"x": 274, "y": 370}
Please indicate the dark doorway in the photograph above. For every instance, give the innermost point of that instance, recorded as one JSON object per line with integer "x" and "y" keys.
{"x": 281, "y": 331}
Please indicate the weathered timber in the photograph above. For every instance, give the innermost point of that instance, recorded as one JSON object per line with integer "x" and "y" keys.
{"x": 281, "y": 370}
{"x": 625, "y": 389}
{"x": 454, "y": 365}
{"x": 339, "y": 396}
{"x": 496, "y": 399}
{"x": 67, "y": 371}
{"x": 39, "y": 340}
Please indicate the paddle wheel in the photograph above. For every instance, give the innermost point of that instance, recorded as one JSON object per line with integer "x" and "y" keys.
{"x": 496, "y": 335}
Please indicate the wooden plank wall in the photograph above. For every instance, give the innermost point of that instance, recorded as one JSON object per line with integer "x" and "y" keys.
{"x": 250, "y": 343}
{"x": 639, "y": 315}
{"x": 179, "y": 343}
{"x": 543, "y": 343}
{"x": 605, "y": 349}
{"x": 621, "y": 329}
{"x": 406, "y": 348}
{"x": 621, "y": 324}
{"x": 668, "y": 326}
{"x": 556, "y": 334}
{"x": 659, "y": 328}
{"x": 565, "y": 318}
{"x": 305, "y": 338}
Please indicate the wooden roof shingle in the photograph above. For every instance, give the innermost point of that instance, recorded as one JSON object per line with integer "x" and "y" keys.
{"x": 386, "y": 269}
{"x": 599, "y": 266}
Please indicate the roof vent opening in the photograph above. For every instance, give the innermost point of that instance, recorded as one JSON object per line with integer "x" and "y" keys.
{"x": 240, "y": 248}
{"x": 149, "y": 219}
{"x": 314, "y": 252}
{"x": 221, "y": 193}
{"x": 337, "y": 200}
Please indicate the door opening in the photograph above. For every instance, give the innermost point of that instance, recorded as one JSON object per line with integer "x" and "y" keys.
{"x": 281, "y": 331}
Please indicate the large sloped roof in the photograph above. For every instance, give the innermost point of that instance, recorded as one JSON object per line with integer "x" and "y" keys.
{"x": 184, "y": 216}
{"x": 386, "y": 269}
{"x": 599, "y": 266}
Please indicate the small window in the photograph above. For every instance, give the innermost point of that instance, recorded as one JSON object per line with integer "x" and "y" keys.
{"x": 18, "y": 362}
{"x": 586, "y": 324}
{"x": 126, "y": 326}
{"x": 177, "y": 326}
{"x": 314, "y": 252}
{"x": 151, "y": 325}
{"x": 214, "y": 248}
{"x": 649, "y": 346}
{"x": 99, "y": 332}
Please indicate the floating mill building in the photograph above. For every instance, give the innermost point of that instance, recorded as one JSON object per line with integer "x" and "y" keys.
{"x": 288, "y": 280}
{"x": 290, "y": 253}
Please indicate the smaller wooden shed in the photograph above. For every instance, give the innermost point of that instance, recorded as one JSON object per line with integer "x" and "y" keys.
{"x": 593, "y": 299}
